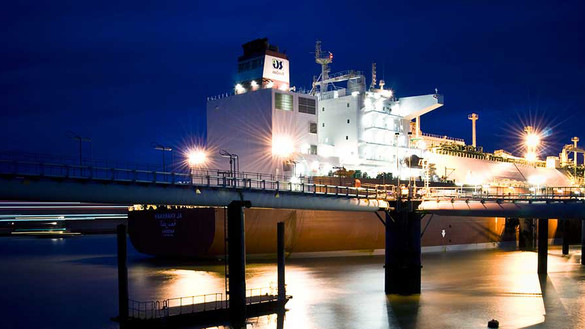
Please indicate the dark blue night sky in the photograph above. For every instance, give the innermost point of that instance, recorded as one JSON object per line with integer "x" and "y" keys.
{"x": 129, "y": 73}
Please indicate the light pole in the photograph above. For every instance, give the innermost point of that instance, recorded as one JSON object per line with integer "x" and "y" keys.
{"x": 410, "y": 179}
{"x": 163, "y": 149}
{"x": 234, "y": 162}
{"x": 81, "y": 139}
{"x": 575, "y": 140}
{"x": 531, "y": 141}
{"x": 473, "y": 117}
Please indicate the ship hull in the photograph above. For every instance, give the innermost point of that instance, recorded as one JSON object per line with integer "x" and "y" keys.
{"x": 199, "y": 232}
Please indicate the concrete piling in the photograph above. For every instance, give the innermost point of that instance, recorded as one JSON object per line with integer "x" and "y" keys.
{"x": 542, "y": 245}
{"x": 280, "y": 260}
{"x": 582, "y": 242}
{"x": 565, "y": 237}
{"x": 237, "y": 263}
{"x": 403, "y": 251}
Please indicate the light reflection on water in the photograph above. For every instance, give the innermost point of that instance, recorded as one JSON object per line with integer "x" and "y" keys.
{"x": 460, "y": 290}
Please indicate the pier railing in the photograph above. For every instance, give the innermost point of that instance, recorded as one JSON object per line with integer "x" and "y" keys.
{"x": 148, "y": 310}
{"x": 209, "y": 178}
{"x": 501, "y": 193}
{"x": 195, "y": 178}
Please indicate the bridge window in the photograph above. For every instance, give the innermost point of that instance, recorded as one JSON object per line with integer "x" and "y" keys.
{"x": 312, "y": 127}
{"x": 347, "y": 120}
{"x": 313, "y": 150}
{"x": 283, "y": 101}
{"x": 307, "y": 105}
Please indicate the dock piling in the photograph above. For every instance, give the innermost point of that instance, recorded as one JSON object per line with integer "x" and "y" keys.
{"x": 122, "y": 274}
{"x": 403, "y": 251}
{"x": 237, "y": 263}
{"x": 565, "y": 237}
{"x": 280, "y": 260}
{"x": 582, "y": 242}
{"x": 542, "y": 245}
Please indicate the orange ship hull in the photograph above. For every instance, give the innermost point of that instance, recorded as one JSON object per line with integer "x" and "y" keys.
{"x": 199, "y": 232}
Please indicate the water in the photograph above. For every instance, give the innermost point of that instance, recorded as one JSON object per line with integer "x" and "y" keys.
{"x": 71, "y": 283}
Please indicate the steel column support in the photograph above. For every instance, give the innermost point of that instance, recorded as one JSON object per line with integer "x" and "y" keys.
{"x": 280, "y": 256}
{"x": 542, "y": 245}
{"x": 122, "y": 275}
{"x": 565, "y": 237}
{"x": 237, "y": 263}
{"x": 403, "y": 251}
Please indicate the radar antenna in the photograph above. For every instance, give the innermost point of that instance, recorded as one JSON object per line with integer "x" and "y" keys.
{"x": 324, "y": 61}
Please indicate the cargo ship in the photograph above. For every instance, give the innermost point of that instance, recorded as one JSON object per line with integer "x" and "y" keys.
{"x": 338, "y": 132}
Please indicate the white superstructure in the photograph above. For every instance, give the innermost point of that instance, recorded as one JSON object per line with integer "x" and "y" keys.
{"x": 274, "y": 129}
{"x": 339, "y": 125}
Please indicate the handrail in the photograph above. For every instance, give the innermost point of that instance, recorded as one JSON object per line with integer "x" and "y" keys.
{"x": 192, "y": 304}
{"x": 443, "y": 137}
{"x": 273, "y": 183}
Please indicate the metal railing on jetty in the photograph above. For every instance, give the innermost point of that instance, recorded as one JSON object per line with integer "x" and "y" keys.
{"x": 148, "y": 310}
{"x": 501, "y": 193}
{"x": 50, "y": 167}
{"x": 142, "y": 174}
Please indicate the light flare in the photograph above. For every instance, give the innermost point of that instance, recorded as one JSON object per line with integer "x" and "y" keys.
{"x": 282, "y": 146}
{"x": 196, "y": 157}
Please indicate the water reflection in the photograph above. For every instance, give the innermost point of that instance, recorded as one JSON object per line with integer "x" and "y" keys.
{"x": 41, "y": 278}
{"x": 348, "y": 292}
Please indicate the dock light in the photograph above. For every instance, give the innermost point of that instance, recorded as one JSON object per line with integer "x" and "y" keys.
{"x": 196, "y": 157}
{"x": 532, "y": 140}
{"x": 282, "y": 146}
{"x": 239, "y": 89}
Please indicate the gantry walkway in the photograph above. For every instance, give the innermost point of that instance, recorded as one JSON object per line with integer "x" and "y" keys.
{"x": 54, "y": 181}
{"x": 44, "y": 181}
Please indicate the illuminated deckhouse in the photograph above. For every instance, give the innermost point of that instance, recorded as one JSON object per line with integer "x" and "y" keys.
{"x": 340, "y": 123}
{"x": 274, "y": 129}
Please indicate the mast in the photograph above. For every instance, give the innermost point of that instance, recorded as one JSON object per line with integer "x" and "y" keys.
{"x": 324, "y": 62}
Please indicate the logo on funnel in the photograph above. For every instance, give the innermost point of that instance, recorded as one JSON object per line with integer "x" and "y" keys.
{"x": 277, "y": 64}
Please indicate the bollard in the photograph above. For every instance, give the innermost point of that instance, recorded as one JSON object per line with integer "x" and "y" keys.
{"x": 493, "y": 323}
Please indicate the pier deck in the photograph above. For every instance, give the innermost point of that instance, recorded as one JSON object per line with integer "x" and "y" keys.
{"x": 210, "y": 309}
